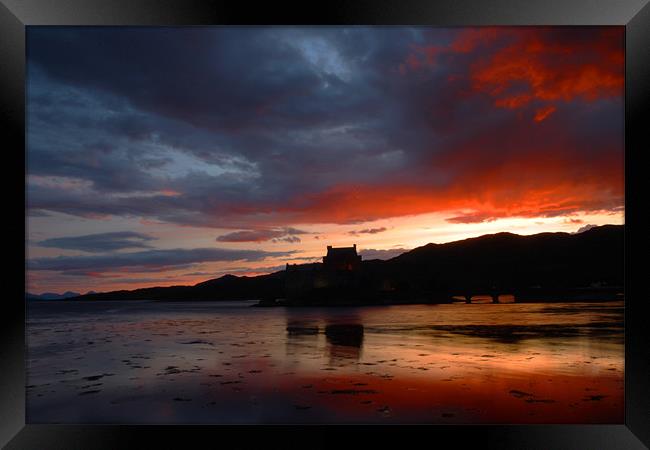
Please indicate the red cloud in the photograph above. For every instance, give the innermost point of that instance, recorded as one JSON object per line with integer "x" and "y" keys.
{"x": 551, "y": 66}
{"x": 483, "y": 179}
{"x": 544, "y": 112}
{"x": 537, "y": 183}
{"x": 519, "y": 66}
{"x": 467, "y": 41}
{"x": 543, "y": 163}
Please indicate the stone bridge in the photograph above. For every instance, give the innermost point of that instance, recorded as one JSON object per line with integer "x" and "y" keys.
{"x": 494, "y": 295}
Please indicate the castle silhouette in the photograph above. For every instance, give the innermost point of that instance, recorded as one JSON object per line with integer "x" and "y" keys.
{"x": 337, "y": 277}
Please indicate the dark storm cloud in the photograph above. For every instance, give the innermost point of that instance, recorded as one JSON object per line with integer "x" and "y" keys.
{"x": 101, "y": 242}
{"x": 249, "y": 127}
{"x": 221, "y": 78}
{"x": 297, "y": 109}
{"x": 152, "y": 259}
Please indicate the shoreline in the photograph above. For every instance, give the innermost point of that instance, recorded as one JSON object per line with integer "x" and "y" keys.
{"x": 586, "y": 298}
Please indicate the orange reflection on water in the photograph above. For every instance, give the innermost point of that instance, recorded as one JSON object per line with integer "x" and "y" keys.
{"x": 567, "y": 368}
{"x": 503, "y": 398}
{"x": 206, "y": 363}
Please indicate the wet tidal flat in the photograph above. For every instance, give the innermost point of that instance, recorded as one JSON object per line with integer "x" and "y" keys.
{"x": 208, "y": 362}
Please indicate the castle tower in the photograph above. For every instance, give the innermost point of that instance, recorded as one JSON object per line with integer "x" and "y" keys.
{"x": 342, "y": 258}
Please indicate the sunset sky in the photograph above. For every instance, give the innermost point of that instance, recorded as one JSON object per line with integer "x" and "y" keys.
{"x": 160, "y": 156}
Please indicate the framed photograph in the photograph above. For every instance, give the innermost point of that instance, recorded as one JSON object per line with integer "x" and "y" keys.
{"x": 314, "y": 223}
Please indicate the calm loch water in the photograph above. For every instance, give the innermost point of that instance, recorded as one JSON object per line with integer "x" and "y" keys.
{"x": 193, "y": 362}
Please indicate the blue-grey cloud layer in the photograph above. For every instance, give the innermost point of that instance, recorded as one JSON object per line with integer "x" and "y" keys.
{"x": 148, "y": 259}
{"x": 100, "y": 242}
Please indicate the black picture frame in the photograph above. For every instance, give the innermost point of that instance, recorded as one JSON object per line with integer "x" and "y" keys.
{"x": 15, "y": 15}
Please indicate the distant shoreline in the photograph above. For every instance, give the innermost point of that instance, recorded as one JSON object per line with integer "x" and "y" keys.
{"x": 573, "y": 297}
{"x": 540, "y": 268}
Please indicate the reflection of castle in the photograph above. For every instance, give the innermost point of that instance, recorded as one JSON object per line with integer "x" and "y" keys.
{"x": 336, "y": 278}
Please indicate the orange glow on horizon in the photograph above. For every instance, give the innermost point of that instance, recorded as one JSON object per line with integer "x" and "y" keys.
{"x": 406, "y": 232}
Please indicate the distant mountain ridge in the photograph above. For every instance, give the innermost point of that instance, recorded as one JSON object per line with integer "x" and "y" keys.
{"x": 506, "y": 261}
{"x": 53, "y": 295}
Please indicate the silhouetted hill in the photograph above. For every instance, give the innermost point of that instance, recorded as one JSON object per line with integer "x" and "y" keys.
{"x": 227, "y": 287}
{"x": 51, "y": 295}
{"x": 506, "y": 260}
{"x": 536, "y": 265}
